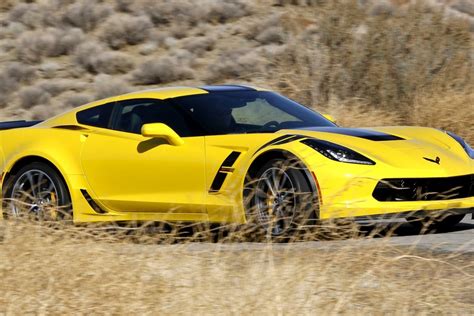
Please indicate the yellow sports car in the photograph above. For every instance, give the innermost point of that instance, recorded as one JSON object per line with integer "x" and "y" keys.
{"x": 227, "y": 154}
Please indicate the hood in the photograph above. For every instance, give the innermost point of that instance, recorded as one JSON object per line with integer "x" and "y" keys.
{"x": 401, "y": 147}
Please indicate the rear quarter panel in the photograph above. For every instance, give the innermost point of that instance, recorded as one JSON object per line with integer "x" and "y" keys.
{"x": 60, "y": 147}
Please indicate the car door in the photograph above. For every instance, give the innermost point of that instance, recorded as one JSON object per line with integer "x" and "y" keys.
{"x": 132, "y": 173}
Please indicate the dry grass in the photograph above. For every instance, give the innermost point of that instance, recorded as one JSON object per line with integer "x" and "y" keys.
{"x": 74, "y": 270}
{"x": 365, "y": 62}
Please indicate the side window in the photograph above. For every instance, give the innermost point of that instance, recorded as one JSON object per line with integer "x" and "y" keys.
{"x": 98, "y": 116}
{"x": 133, "y": 114}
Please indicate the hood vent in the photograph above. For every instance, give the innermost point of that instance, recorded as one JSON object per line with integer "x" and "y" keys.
{"x": 357, "y": 132}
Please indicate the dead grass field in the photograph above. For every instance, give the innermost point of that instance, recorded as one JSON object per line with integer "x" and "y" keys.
{"x": 365, "y": 62}
{"x": 64, "y": 271}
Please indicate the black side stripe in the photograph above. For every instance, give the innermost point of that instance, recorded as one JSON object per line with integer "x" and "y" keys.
{"x": 281, "y": 140}
{"x": 224, "y": 169}
{"x": 289, "y": 140}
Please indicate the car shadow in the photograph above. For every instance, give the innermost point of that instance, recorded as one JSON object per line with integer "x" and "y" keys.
{"x": 400, "y": 229}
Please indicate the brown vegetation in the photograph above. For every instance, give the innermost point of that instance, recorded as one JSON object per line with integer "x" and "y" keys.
{"x": 365, "y": 62}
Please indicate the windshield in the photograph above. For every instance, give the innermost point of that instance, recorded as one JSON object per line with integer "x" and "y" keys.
{"x": 232, "y": 112}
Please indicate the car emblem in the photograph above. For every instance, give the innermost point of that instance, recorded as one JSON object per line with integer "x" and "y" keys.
{"x": 437, "y": 160}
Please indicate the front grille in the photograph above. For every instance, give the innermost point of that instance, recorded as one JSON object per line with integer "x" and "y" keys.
{"x": 424, "y": 189}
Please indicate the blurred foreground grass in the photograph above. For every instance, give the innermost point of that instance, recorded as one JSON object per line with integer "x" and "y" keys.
{"x": 58, "y": 271}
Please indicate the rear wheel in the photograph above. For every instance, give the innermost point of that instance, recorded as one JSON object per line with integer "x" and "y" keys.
{"x": 39, "y": 192}
{"x": 279, "y": 199}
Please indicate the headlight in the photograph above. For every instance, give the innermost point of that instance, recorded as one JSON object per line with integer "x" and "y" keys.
{"x": 463, "y": 143}
{"x": 337, "y": 152}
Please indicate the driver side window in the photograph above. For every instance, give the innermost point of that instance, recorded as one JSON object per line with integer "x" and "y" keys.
{"x": 133, "y": 114}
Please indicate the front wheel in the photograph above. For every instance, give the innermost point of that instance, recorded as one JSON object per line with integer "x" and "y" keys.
{"x": 37, "y": 191}
{"x": 279, "y": 198}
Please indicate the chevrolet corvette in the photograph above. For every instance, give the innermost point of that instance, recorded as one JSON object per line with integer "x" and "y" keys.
{"x": 227, "y": 154}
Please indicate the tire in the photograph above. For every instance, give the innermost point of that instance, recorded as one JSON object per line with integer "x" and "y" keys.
{"x": 279, "y": 199}
{"x": 39, "y": 192}
{"x": 436, "y": 223}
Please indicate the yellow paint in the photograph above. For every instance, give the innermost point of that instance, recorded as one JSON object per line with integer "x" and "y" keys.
{"x": 136, "y": 177}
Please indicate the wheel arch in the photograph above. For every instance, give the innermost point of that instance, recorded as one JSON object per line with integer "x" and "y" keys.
{"x": 24, "y": 161}
{"x": 268, "y": 155}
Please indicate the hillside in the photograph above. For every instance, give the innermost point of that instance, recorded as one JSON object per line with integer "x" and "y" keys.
{"x": 404, "y": 62}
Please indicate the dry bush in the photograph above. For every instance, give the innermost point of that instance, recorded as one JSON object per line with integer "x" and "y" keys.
{"x": 186, "y": 11}
{"x": 163, "y": 70}
{"x": 11, "y": 77}
{"x": 31, "y": 96}
{"x": 382, "y": 60}
{"x": 236, "y": 64}
{"x": 49, "y": 69}
{"x": 464, "y": 6}
{"x": 58, "y": 86}
{"x": 95, "y": 58}
{"x": 272, "y": 35}
{"x": 32, "y": 15}
{"x": 107, "y": 86}
{"x": 124, "y": 6}
{"x": 43, "y": 111}
{"x": 119, "y": 31}
{"x": 268, "y": 31}
{"x": 20, "y": 73}
{"x": 85, "y": 54}
{"x": 452, "y": 111}
{"x": 77, "y": 99}
{"x": 6, "y": 5}
{"x": 7, "y": 85}
{"x": 199, "y": 45}
{"x": 52, "y": 42}
{"x": 112, "y": 63}
{"x": 86, "y": 14}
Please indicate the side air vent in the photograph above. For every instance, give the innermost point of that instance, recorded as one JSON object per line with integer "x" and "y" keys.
{"x": 92, "y": 203}
{"x": 226, "y": 167}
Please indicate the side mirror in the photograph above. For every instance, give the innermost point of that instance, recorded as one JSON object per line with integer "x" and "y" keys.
{"x": 330, "y": 118}
{"x": 160, "y": 130}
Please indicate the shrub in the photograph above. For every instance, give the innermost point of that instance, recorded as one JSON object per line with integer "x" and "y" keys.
{"x": 34, "y": 45}
{"x": 163, "y": 70}
{"x": 124, "y": 6}
{"x": 95, "y": 58}
{"x": 77, "y": 100}
{"x": 386, "y": 65}
{"x": 112, "y": 63}
{"x": 7, "y": 86}
{"x": 268, "y": 31}
{"x": 85, "y": 55}
{"x": 272, "y": 35}
{"x": 107, "y": 86}
{"x": 31, "y": 96}
{"x": 26, "y": 13}
{"x": 11, "y": 77}
{"x": 20, "y": 73}
{"x": 49, "y": 69}
{"x": 36, "y": 15}
{"x": 186, "y": 11}
{"x": 199, "y": 45}
{"x": 86, "y": 14}
{"x": 43, "y": 111}
{"x": 119, "y": 31}
{"x": 58, "y": 86}
{"x": 239, "y": 63}
{"x": 464, "y": 6}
